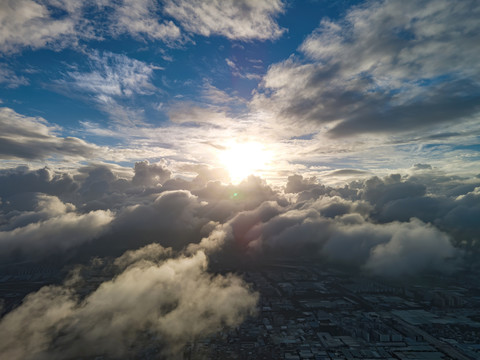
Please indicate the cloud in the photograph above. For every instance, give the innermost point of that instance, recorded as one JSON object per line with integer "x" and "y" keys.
{"x": 355, "y": 226}
{"x": 8, "y": 77}
{"x": 52, "y": 228}
{"x": 185, "y": 113}
{"x": 419, "y": 167}
{"x": 113, "y": 79}
{"x": 150, "y": 174}
{"x": 24, "y": 180}
{"x": 180, "y": 302}
{"x": 113, "y": 75}
{"x": 23, "y": 137}
{"x": 380, "y": 70}
{"x": 239, "y": 20}
{"x": 27, "y": 23}
{"x": 60, "y": 24}
{"x": 139, "y": 18}
{"x": 347, "y": 172}
{"x": 147, "y": 204}
{"x": 413, "y": 247}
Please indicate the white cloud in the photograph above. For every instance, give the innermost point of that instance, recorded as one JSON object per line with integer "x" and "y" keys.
{"x": 113, "y": 78}
{"x": 52, "y": 228}
{"x": 114, "y": 75}
{"x": 386, "y": 67}
{"x": 240, "y": 20}
{"x": 27, "y": 23}
{"x": 176, "y": 300}
{"x": 12, "y": 80}
{"x": 140, "y": 18}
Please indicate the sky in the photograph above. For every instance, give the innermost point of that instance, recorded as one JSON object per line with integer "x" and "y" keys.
{"x": 160, "y": 135}
{"x": 320, "y": 85}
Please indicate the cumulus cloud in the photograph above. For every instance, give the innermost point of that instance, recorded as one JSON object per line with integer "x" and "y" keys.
{"x": 23, "y": 180}
{"x": 368, "y": 224}
{"x": 23, "y": 137}
{"x": 150, "y": 174}
{"x": 180, "y": 302}
{"x": 339, "y": 231}
{"x": 242, "y": 20}
{"x": 413, "y": 247}
{"x": 166, "y": 236}
{"x": 148, "y": 205}
{"x": 52, "y": 228}
{"x": 380, "y": 69}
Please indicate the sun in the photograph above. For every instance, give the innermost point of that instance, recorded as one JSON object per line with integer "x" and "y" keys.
{"x": 244, "y": 159}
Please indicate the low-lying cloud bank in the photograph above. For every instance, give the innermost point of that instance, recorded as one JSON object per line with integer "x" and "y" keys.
{"x": 153, "y": 234}
{"x": 422, "y": 217}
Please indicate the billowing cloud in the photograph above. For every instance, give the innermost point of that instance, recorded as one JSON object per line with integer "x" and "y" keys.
{"x": 380, "y": 69}
{"x": 249, "y": 218}
{"x": 23, "y": 137}
{"x": 168, "y": 228}
{"x": 179, "y": 302}
{"x": 242, "y": 20}
{"x": 51, "y": 228}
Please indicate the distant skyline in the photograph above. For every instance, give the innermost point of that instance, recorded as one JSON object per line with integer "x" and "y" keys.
{"x": 375, "y": 87}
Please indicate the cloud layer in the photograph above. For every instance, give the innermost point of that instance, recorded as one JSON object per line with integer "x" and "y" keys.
{"x": 385, "y": 67}
{"x": 59, "y": 24}
{"x": 150, "y": 236}
{"x": 26, "y": 137}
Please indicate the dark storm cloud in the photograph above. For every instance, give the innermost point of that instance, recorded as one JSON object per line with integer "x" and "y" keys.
{"x": 385, "y": 67}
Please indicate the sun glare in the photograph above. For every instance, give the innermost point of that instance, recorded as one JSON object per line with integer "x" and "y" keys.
{"x": 243, "y": 159}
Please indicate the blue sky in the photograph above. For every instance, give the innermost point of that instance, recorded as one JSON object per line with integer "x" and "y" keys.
{"x": 323, "y": 85}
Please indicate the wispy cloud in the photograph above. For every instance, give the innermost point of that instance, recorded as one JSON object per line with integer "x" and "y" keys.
{"x": 112, "y": 79}
{"x": 141, "y": 18}
{"x": 241, "y": 20}
{"x": 10, "y": 79}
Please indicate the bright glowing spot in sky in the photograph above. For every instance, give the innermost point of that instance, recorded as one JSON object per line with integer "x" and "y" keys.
{"x": 243, "y": 159}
